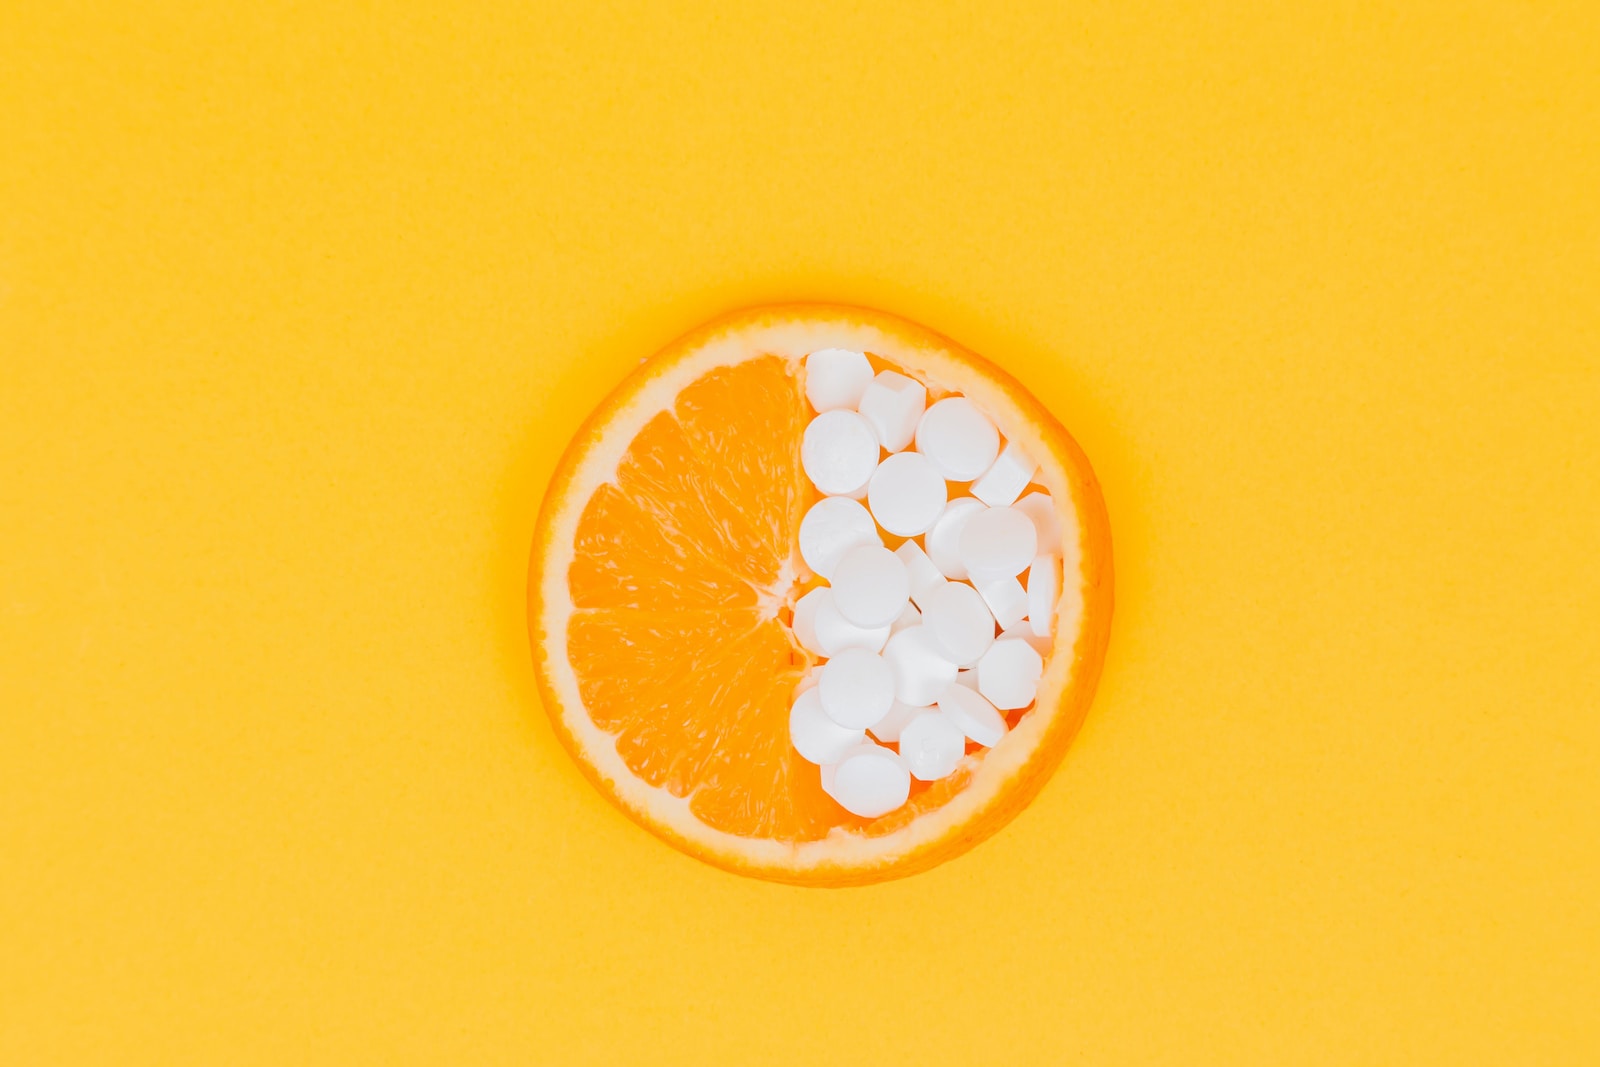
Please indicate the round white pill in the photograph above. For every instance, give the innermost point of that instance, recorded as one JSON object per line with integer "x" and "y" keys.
{"x": 814, "y": 735}
{"x": 887, "y": 729}
{"x": 836, "y": 378}
{"x": 920, "y": 671}
{"x": 1044, "y": 589}
{"x": 839, "y": 452}
{"x": 972, "y": 714}
{"x": 932, "y": 745}
{"x": 832, "y": 527}
{"x": 906, "y": 494}
{"x": 857, "y": 688}
{"x": 1006, "y": 478}
{"x": 805, "y": 620}
{"x": 870, "y": 586}
{"x": 1042, "y": 510}
{"x": 944, "y": 538}
{"x": 958, "y": 622}
{"x": 831, "y": 770}
{"x": 893, "y": 404}
{"x": 1008, "y": 674}
{"x": 870, "y": 783}
{"x": 835, "y": 633}
{"x": 1007, "y": 601}
{"x": 924, "y": 576}
{"x": 958, "y": 438}
{"x": 997, "y": 543}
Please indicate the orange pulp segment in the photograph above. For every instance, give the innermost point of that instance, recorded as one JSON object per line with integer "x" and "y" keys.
{"x": 674, "y": 638}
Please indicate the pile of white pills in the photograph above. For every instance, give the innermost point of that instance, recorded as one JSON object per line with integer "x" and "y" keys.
{"x": 925, "y": 648}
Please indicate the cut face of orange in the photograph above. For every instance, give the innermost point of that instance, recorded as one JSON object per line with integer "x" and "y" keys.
{"x": 664, "y": 575}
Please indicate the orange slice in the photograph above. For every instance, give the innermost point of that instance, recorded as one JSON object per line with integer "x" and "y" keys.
{"x": 663, "y": 576}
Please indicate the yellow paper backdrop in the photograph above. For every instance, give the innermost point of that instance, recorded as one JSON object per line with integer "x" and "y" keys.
{"x": 299, "y": 302}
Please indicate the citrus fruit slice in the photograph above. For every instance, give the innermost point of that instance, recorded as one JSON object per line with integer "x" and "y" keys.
{"x": 666, "y": 568}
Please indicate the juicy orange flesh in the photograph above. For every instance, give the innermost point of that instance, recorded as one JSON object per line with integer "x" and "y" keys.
{"x": 673, "y": 638}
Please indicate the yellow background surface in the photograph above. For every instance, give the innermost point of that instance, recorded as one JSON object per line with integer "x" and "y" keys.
{"x": 298, "y": 304}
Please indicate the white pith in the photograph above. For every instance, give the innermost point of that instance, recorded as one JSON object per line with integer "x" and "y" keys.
{"x": 792, "y": 340}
